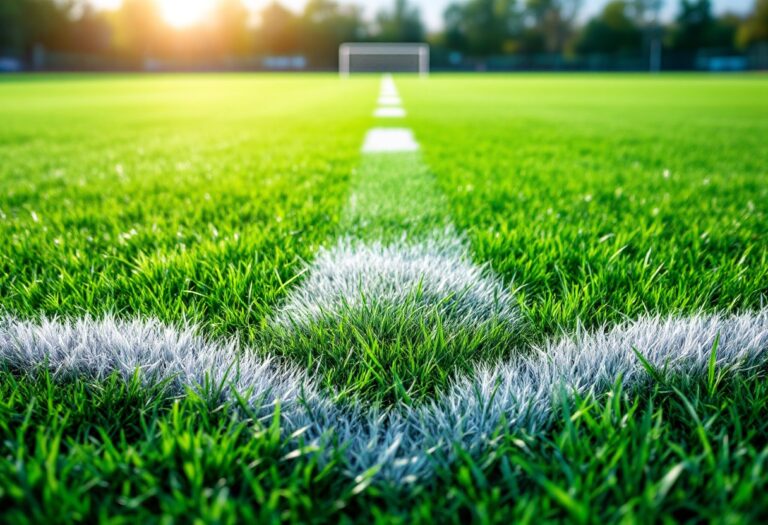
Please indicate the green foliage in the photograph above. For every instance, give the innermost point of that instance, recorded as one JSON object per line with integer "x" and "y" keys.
{"x": 481, "y": 26}
{"x": 25, "y": 23}
{"x": 613, "y": 31}
{"x": 401, "y": 24}
{"x": 326, "y": 25}
{"x": 754, "y": 30}
{"x": 697, "y": 28}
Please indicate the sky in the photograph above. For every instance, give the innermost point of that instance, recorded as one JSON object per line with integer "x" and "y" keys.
{"x": 432, "y": 10}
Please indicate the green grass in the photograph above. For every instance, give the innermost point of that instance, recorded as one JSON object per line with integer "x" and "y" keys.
{"x": 386, "y": 355}
{"x": 176, "y": 197}
{"x": 606, "y": 197}
{"x": 199, "y": 198}
{"x": 394, "y": 194}
{"x": 84, "y": 452}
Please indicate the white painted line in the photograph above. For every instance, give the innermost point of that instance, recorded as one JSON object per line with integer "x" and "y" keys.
{"x": 388, "y": 88}
{"x": 521, "y": 393}
{"x": 351, "y": 275}
{"x": 389, "y": 112}
{"x": 390, "y": 140}
{"x": 389, "y": 100}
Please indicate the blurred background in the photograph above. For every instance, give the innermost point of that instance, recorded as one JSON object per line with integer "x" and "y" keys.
{"x": 298, "y": 35}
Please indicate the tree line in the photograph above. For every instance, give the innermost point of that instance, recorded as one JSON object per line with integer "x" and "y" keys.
{"x": 473, "y": 28}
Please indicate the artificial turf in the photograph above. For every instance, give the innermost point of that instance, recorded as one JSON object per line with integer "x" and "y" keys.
{"x": 198, "y": 198}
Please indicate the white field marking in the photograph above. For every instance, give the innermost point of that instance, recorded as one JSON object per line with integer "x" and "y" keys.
{"x": 407, "y": 443}
{"x": 389, "y": 140}
{"x": 435, "y": 276}
{"x": 388, "y": 88}
{"x": 387, "y": 80}
{"x": 392, "y": 193}
{"x": 389, "y": 112}
{"x": 389, "y": 101}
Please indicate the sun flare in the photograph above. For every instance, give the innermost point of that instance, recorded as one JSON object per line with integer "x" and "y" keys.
{"x": 184, "y": 13}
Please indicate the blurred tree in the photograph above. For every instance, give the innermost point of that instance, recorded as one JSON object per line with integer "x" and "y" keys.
{"x": 754, "y": 29}
{"x": 454, "y": 32}
{"x": 614, "y": 31}
{"x": 89, "y": 32}
{"x": 697, "y": 29}
{"x": 482, "y": 27}
{"x": 138, "y": 30}
{"x": 325, "y": 25}
{"x": 401, "y": 24}
{"x": 278, "y": 31}
{"x": 723, "y": 34}
{"x": 693, "y": 25}
{"x": 12, "y": 37}
{"x": 643, "y": 11}
{"x": 555, "y": 21}
{"x": 230, "y": 28}
{"x": 477, "y": 27}
{"x": 29, "y": 24}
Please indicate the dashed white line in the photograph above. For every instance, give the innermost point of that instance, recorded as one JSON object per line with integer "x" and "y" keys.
{"x": 390, "y": 140}
{"x": 389, "y": 100}
{"x": 389, "y": 112}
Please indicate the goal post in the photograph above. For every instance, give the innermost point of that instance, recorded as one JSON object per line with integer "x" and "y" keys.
{"x": 383, "y": 58}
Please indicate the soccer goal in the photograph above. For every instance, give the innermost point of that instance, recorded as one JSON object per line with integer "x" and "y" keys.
{"x": 383, "y": 58}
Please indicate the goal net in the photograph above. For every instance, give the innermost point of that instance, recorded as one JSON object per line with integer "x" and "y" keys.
{"x": 384, "y": 58}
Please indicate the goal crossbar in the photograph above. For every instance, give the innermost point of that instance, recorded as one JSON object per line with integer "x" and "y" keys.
{"x": 348, "y": 50}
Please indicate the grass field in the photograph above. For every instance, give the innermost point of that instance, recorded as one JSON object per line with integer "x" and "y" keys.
{"x": 607, "y": 196}
{"x": 593, "y": 200}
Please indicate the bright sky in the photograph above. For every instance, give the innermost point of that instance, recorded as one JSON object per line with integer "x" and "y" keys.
{"x": 183, "y": 12}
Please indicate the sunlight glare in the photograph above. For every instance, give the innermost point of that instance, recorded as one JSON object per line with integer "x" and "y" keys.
{"x": 184, "y": 13}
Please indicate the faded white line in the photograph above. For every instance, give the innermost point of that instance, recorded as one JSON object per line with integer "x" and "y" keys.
{"x": 389, "y": 112}
{"x": 389, "y": 140}
{"x": 389, "y": 101}
{"x": 388, "y": 88}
